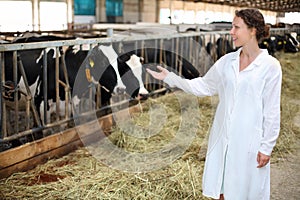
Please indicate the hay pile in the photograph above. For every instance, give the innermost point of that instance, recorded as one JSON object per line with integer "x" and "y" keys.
{"x": 81, "y": 176}
{"x": 290, "y": 104}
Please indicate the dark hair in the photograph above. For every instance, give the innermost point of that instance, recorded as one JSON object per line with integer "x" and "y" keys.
{"x": 254, "y": 19}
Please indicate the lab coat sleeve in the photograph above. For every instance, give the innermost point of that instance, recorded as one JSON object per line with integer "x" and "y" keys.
{"x": 271, "y": 111}
{"x": 201, "y": 86}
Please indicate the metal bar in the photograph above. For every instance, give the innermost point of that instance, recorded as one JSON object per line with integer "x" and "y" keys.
{"x": 180, "y": 63}
{"x": 191, "y": 51}
{"x": 172, "y": 54}
{"x": 1, "y": 100}
{"x": 186, "y": 52}
{"x": 176, "y": 54}
{"x": 98, "y": 96}
{"x": 135, "y": 46}
{"x": 27, "y": 95}
{"x": 3, "y": 103}
{"x": 16, "y": 101}
{"x": 155, "y": 51}
{"x": 199, "y": 49}
{"x": 28, "y": 92}
{"x": 45, "y": 86}
{"x": 34, "y": 130}
{"x": 90, "y": 102}
{"x": 143, "y": 49}
{"x": 160, "y": 51}
{"x": 120, "y": 48}
{"x": 66, "y": 86}
{"x": 57, "y": 83}
{"x": 27, "y": 118}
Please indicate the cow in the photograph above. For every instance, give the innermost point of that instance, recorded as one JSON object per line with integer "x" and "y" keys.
{"x": 89, "y": 68}
{"x": 220, "y": 48}
{"x": 16, "y": 89}
{"x": 292, "y": 44}
{"x": 158, "y": 52}
{"x": 165, "y": 54}
{"x": 31, "y": 60}
{"x": 269, "y": 44}
{"x": 287, "y": 43}
{"x": 101, "y": 65}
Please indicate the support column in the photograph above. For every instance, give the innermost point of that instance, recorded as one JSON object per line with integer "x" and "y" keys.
{"x": 36, "y": 15}
{"x": 100, "y": 11}
{"x": 140, "y": 10}
{"x": 157, "y": 11}
{"x": 70, "y": 14}
{"x": 171, "y": 10}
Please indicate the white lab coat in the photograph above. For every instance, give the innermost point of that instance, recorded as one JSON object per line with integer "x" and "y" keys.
{"x": 247, "y": 120}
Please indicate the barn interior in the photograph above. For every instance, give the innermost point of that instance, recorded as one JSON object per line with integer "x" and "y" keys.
{"x": 187, "y": 36}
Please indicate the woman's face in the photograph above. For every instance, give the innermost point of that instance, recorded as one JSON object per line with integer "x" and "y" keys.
{"x": 240, "y": 32}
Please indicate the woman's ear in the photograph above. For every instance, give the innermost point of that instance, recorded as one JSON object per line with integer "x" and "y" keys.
{"x": 253, "y": 31}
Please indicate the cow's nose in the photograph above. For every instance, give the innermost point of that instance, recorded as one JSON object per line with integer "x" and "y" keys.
{"x": 142, "y": 96}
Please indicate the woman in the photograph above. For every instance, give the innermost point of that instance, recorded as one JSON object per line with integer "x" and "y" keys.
{"x": 247, "y": 120}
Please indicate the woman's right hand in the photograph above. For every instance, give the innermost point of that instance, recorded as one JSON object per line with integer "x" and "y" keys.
{"x": 158, "y": 75}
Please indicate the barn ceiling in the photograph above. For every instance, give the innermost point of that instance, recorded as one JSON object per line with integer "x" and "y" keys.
{"x": 272, "y": 5}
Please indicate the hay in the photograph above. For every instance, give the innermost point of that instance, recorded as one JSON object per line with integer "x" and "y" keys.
{"x": 290, "y": 105}
{"x": 80, "y": 175}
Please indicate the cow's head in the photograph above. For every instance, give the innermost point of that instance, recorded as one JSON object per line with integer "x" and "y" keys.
{"x": 131, "y": 71}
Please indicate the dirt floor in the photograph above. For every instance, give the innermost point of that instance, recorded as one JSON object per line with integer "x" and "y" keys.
{"x": 285, "y": 174}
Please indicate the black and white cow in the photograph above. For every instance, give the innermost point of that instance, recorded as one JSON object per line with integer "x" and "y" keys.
{"x": 32, "y": 63}
{"x": 14, "y": 89}
{"x": 164, "y": 54}
{"x": 288, "y": 43}
{"x": 88, "y": 68}
{"x": 269, "y": 44}
{"x": 115, "y": 73}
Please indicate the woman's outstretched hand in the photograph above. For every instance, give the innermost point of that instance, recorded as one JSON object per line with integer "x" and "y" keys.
{"x": 158, "y": 75}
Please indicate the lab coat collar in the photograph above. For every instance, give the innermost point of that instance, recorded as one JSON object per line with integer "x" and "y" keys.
{"x": 256, "y": 63}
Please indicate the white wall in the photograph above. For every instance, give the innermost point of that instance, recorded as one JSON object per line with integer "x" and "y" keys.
{"x": 130, "y": 11}
{"x": 15, "y": 15}
{"x": 18, "y": 16}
